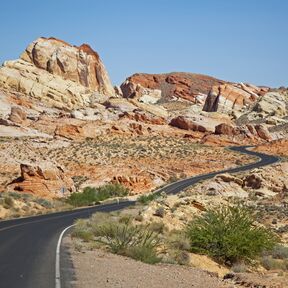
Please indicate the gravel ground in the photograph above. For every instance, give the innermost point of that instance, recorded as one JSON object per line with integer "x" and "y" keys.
{"x": 100, "y": 269}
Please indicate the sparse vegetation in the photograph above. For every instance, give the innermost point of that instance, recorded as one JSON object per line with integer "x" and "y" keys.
{"x": 269, "y": 263}
{"x": 121, "y": 236}
{"x": 8, "y": 202}
{"x": 92, "y": 196}
{"x": 228, "y": 234}
{"x": 20, "y": 204}
{"x": 147, "y": 198}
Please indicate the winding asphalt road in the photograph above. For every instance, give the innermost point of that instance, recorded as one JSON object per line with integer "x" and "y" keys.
{"x": 28, "y": 245}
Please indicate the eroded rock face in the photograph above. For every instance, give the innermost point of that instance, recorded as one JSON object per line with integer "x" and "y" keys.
{"x": 230, "y": 97}
{"x": 45, "y": 180}
{"x": 78, "y": 64}
{"x": 57, "y": 73}
{"x": 271, "y": 103}
{"x": 172, "y": 85}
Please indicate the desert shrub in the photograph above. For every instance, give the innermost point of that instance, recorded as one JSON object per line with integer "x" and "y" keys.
{"x": 120, "y": 236}
{"x": 181, "y": 257}
{"x": 158, "y": 227}
{"x": 228, "y": 234}
{"x": 280, "y": 252}
{"x": 145, "y": 199}
{"x": 95, "y": 195}
{"x": 179, "y": 241}
{"x": 125, "y": 238}
{"x": 82, "y": 230}
{"x": 15, "y": 195}
{"x": 145, "y": 254}
{"x": 8, "y": 202}
{"x": 274, "y": 264}
{"x": 44, "y": 203}
{"x": 173, "y": 178}
{"x": 239, "y": 268}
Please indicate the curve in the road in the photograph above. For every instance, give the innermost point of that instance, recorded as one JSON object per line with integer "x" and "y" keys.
{"x": 28, "y": 245}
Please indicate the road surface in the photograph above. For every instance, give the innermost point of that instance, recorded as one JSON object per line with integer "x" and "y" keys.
{"x": 28, "y": 245}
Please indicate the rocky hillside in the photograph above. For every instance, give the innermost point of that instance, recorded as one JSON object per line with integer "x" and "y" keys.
{"x": 64, "y": 127}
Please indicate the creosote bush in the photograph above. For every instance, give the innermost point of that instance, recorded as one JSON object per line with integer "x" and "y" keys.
{"x": 228, "y": 234}
{"x": 92, "y": 196}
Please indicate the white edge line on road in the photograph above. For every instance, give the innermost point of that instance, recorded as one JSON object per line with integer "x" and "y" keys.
{"x": 57, "y": 264}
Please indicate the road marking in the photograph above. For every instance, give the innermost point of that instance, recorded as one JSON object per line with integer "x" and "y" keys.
{"x": 73, "y": 212}
{"x": 57, "y": 264}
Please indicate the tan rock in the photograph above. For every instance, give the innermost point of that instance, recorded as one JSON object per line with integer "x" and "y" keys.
{"x": 61, "y": 75}
{"x": 78, "y": 64}
{"x": 70, "y": 131}
{"x": 271, "y": 103}
{"x": 44, "y": 181}
{"x": 17, "y": 115}
{"x": 230, "y": 97}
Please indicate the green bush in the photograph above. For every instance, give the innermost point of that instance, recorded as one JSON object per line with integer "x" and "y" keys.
{"x": 145, "y": 254}
{"x": 120, "y": 236}
{"x": 125, "y": 238}
{"x": 145, "y": 199}
{"x": 82, "y": 230}
{"x": 95, "y": 195}
{"x": 8, "y": 202}
{"x": 44, "y": 203}
{"x": 228, "y": 234}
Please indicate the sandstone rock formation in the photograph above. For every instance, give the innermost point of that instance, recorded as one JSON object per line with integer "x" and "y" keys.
{"x": 45, "y": 180}
{"x": 271, "y": 103}
{"x": 186, "y": 124}
{"x": 230, "y": 97}
{"x": 248, "y": 130}
{"x": 70, "y": 131}
{"x": 225, "y": 129}
{"x": 17, "y": 115}
{"x": 58, "y": 73}
{"x": 169, "y": 86}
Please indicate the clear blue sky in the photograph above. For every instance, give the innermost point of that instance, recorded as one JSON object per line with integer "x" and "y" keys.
{"x": 236, "y": 40}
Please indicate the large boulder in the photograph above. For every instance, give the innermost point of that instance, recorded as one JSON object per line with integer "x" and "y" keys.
{"x": 43, "y": 180}
{"x": 225, "y": 129}
{"x": 57, "y": 73}
{"x": 186, "y": 124}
